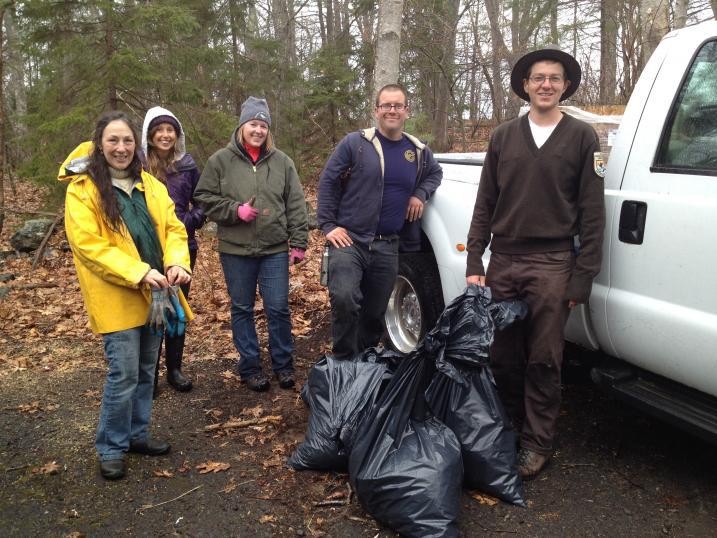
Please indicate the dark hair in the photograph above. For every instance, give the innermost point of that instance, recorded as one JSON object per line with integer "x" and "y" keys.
{"x": 392, "y": 88}
{"x": 550, "y": 61}
{"x": 99, "y": 169}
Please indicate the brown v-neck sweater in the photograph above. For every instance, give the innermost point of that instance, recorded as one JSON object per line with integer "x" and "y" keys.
{"x": 537, "y": 199}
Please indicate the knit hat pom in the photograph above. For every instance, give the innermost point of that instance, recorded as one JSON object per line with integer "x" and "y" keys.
{"x": 254, "y": 108}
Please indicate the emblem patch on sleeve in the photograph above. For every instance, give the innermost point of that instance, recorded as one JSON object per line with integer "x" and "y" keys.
{"x": 410, "y": 155}
{"x": 599, "y": 164}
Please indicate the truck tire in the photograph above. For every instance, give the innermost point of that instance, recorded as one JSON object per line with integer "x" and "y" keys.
{"x": 415, "y": 303}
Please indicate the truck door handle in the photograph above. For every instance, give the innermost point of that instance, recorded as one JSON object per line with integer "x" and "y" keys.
{"x": 632, "y": 222}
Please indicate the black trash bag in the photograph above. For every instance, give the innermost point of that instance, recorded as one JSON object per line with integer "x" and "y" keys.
{"x": 405, "y": 466}
{"x": 339, "y": 394}
{"x": 463, "y": 392}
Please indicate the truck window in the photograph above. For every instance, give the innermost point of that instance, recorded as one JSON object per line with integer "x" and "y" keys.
{"x": 689, "y": 144}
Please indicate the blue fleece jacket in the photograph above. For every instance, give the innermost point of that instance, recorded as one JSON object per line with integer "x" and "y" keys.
{"x": 351, "y": 188}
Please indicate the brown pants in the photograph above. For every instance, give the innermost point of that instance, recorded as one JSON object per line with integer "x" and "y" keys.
{"x": 526, "y": 358}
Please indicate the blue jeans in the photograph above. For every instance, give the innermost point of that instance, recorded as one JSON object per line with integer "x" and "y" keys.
{"x": 242, "y": 273}
{"x": 361, "y": 279}
{"x": 127, "y": 400}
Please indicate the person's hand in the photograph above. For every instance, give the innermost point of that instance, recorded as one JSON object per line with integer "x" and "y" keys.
{"x": 296, "y": 255}
{"x": 177, "y": 276}
{"x": 415, "y": 209}
{"x": 339, "y": 237}
{"x": 247, "y": 212}
{"x": 155, "y": 279}
{"x": 478, "y": 280}
{"x": 572, "y": 304}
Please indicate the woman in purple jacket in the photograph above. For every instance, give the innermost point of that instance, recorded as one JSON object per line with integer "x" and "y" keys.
{"x": 163, "y": 145}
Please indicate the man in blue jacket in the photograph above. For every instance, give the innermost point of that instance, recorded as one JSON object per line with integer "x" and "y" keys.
{"x": 371, "y": 198}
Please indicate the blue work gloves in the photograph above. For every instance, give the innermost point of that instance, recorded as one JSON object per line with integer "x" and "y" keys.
{"x": 175, "y": 318}
{"x": 166, "y": 312}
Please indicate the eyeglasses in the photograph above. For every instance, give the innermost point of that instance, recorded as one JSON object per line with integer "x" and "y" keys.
{"x": 387, "y": 106}
{"x": 553, "y": 79}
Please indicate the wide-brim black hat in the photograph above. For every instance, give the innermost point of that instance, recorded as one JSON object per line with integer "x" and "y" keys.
{"x": 551, "y": 52}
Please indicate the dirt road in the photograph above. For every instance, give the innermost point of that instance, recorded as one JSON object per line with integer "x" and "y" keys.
{"x": 616, "y": 473}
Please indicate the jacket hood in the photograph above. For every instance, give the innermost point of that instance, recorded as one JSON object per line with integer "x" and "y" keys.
{"x": 180, "y": 147}
{"x": 76, "y": 163}
{"x": 370, "y": 133}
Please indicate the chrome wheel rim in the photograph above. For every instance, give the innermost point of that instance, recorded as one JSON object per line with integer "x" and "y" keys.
{"x": 403, "y": 316}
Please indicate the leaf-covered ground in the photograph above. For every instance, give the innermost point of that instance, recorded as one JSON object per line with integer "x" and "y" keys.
{"x": 616, "y": 473}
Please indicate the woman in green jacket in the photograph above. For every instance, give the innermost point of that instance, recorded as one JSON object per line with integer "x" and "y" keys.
{"x": 253, "y": 193}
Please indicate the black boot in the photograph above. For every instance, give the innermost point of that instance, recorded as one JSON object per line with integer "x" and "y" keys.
{"x": 176, "y": 379}
{"x": 175, "y": 349}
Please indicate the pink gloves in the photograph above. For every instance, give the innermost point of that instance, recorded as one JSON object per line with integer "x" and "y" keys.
{"x": 246, "y": 212}
{"x": 296, "y": 255}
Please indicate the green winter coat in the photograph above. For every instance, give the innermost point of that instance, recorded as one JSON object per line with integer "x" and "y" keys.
{"x": 230, "y": 179}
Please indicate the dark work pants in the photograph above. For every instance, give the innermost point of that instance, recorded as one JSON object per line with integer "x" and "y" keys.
{"x": 361, "y": 279}
{"x": 526, "y": 358}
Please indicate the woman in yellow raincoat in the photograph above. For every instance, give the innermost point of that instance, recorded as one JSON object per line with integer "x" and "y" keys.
{"x": 125, "y": 240}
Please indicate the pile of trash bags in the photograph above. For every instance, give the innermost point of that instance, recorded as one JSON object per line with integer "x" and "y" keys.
{"x": 411, "y": 430}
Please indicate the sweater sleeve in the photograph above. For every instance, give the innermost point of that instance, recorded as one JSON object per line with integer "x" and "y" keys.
{"x": 208, "y": 195}
{"x": 591, "y": 222}
{"x": 432, "y": 177}
{"x": 330, "y": 186}
{"x": 297, "y": 220}
{"x": 479, "y": 231}
{"x": 195, "y": 218}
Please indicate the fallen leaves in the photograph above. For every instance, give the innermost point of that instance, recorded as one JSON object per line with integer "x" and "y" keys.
{"x": 163, "y": 473}
{"x": 483, "y": 499}
{"x": 236, "y": 423}
{"x": 49, "y": 468}
{"x": 267, "y": 518}
{"x": 212, "y": 467}
{"x": 231, "y": 486}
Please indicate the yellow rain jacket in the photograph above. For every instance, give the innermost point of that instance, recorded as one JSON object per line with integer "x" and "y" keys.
{"x": 108, "y": 264}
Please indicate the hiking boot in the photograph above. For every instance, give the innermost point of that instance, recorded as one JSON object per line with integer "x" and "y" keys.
{"x": 258, "y": 383}
{"x": 149, "y": 447}
{"x": 176, "y": 380}
{"x": 531, "y": 463}
{"x": 286, "y": 379}
{"x": 113, "y": 469}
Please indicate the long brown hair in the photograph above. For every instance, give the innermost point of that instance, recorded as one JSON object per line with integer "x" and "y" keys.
{"x": 99, "y": 169}
{"x": 158, "y": 166}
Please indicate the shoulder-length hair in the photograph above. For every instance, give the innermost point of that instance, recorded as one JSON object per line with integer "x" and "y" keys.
{"x": 99, "y": 168}
{"x": 268, "y": 143}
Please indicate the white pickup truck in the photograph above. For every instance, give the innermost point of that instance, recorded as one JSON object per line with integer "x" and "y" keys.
{"x": 653, "y": 308}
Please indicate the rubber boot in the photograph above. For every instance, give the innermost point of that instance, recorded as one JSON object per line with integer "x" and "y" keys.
{"x": 175, "y": 378}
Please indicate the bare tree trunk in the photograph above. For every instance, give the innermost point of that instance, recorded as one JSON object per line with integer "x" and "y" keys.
{"x": 234, "y": 28}
{"x": 444, "y": 76}
{"x": 655, "y": 17}
{"x": 3, "y": 154}
{"x": 680, "y": 13}
{"x": 494, "y": 9}
{"x": 608, "y": 51}
{"x": 388, "y": 43}
{"x": 109, "y": 52}
{"x": 16, "y": 83}
{"x": 554, "y": 21}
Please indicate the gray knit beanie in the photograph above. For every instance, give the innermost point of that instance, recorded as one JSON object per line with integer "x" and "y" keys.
{"x": 254, "y": 109}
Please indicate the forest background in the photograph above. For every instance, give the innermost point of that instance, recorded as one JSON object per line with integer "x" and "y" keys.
{"x": 317, "y": 62}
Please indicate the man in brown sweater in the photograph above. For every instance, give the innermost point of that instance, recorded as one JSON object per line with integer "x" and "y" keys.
{"x": 541, "y": 197}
